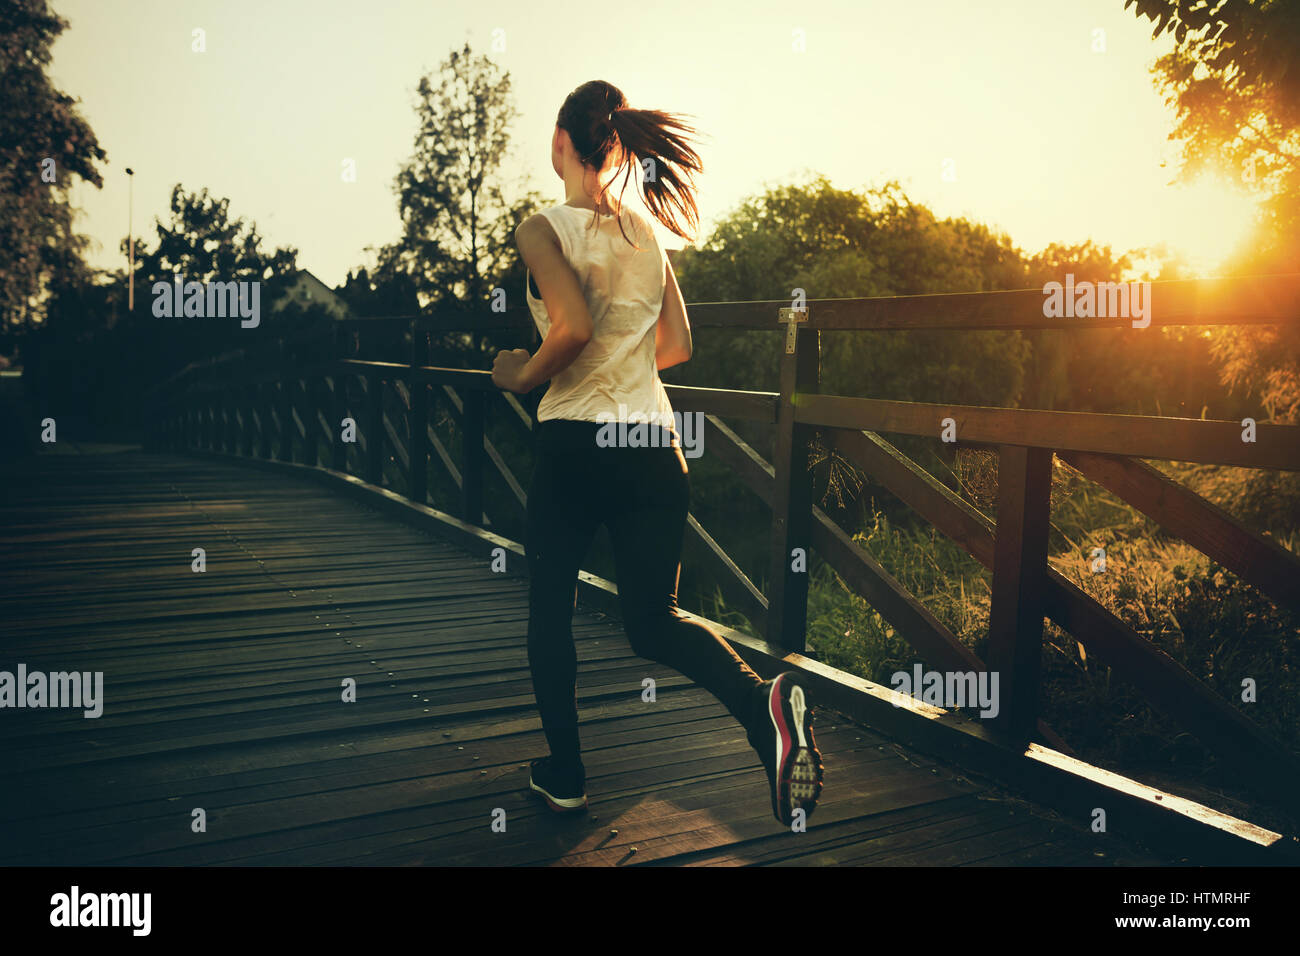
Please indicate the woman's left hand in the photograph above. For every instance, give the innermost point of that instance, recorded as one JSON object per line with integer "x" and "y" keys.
{"x": 507, "y": 370}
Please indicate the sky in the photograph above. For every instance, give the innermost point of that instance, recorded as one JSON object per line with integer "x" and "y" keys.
{"x": 1017, "y": 114}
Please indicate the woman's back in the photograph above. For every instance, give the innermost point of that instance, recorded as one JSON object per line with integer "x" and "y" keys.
{"x": 615, "y": 378}
{"x": 619, "y": 317}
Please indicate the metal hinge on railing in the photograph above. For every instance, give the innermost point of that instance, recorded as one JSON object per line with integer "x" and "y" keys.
{"x": 791, "y": 318}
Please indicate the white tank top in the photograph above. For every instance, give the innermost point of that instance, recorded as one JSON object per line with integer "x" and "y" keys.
{"x": 614, "y": 378}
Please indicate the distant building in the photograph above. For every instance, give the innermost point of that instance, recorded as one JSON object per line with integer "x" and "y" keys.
{"x": 305, "y": 290}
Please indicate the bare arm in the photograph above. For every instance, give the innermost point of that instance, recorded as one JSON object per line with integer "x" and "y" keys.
{"x": 673, "y": 332}
{"x": 571, "y": 326}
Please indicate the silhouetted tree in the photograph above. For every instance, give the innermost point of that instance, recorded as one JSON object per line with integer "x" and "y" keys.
{"x": 457, "y": 242}
{"x": 44, "y": 144}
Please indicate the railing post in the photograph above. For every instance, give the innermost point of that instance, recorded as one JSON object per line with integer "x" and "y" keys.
{"x": 340, "y": 408}
{"x": 234, "y": 405}
{"x": 229, "y": 420}
{"x": 375, "y": 429}
{"x": 318, "y": 400}
{"x": 247, "y": 400}
{"x": 340, "y": 404}
{"x": 472, "y": 470}
{"x": 216, "y": 399}
{"x": 1019, "y": 583}
{"x": 307, "y": 403}
{"x": 417, "y": 419}
{"x": 211, "y": 410}
{"x": 787, "y": 600}
{"x": 264, "y": 388}
{"x": 218, "y": 420}
{"x": 286, "y": 403}
{"x": 325, "y": 407}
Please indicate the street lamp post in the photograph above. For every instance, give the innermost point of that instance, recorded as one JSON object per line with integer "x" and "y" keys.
{"x": 130, "y": 241}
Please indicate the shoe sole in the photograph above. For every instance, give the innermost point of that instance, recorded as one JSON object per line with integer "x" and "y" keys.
{"x": 560, "y": 804}
{"x": 798, "y": 779}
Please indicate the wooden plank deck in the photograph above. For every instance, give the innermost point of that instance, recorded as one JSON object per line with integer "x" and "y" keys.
{"x": 223, "y": 691}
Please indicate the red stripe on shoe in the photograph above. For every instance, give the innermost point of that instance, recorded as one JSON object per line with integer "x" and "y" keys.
{"x": 776, "y": 705}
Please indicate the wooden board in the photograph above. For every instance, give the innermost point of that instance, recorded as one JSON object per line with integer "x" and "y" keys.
{"x": 222, "y": 691}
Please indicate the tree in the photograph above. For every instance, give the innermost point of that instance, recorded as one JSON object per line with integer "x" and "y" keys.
{"x": 1233, "y": 81}
{"x": 1119, "y": 370}
{"x": 44, "y": 143}
{"x": 457, "y": 241}
{"x": 1049, "y": 384}
{"x": 836, "y": 243}
{"x": 381, "y": 292}
{"x": 90, "y": 368}
{"x": 202, "y": 242}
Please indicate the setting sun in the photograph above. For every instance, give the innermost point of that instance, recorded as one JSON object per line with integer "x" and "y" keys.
{"x": 1213, "y": 223}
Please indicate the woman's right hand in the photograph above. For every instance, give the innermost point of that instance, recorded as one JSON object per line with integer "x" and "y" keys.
{"x": 507, "y": 368}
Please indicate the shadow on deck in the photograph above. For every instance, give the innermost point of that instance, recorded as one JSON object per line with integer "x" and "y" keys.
{"x": 223, "y": 691}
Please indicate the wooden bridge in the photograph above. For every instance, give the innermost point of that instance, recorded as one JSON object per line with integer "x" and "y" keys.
{"x": 328, "y": 560}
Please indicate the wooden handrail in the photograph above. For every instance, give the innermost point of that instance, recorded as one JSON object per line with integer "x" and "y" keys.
{"x": 1140, "y": 436}
{"x": 1241, "y": 300}
{"x": 1247, "y": 300}
{"x": 254, "y": 405}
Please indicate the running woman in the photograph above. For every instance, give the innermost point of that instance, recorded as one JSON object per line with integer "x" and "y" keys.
{"x": 610, "y": 314}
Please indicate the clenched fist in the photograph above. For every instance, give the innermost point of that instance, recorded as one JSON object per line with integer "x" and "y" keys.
{"x": 507, "y": 370}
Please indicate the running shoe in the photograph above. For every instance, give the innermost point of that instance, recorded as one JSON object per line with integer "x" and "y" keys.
{"x": 782, "y": 734}
{"x": 564, "y": 790}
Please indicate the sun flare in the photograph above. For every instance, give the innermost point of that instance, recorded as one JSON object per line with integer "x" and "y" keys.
{"x": 1215, "y": 221}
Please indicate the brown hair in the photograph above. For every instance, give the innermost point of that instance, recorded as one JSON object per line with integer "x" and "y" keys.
{"x": 596, "y": 117}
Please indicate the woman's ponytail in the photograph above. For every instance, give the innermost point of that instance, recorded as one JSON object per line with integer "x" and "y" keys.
{"x": 598, "y": 119}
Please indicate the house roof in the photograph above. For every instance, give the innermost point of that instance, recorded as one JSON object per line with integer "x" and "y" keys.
{"x": 305, "y": 288}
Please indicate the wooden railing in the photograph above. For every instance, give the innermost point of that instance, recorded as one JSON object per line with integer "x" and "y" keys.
{"x": 291, "y": 406}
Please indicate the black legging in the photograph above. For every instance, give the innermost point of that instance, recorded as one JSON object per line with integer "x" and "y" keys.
{"x": 642, "y": 496}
